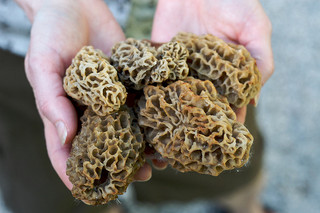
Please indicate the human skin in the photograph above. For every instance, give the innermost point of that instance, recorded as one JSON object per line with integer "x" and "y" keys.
{"x": 61, "y": 27}
{"x": 241, "y": 22}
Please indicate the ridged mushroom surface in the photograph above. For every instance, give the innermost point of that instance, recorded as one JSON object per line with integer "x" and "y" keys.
{"x": 105, "y": 156}
{"x": 139, "y": 64}
{"x": 92, "y": 81}
{"x": 230, "y": 67}
{"x": 193, "y": 127}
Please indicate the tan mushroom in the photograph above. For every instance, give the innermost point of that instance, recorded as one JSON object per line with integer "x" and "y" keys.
{"x": 105, "y": 156}
{"x": 230, "y": 67}
{"x": 92, "y": 81}
{"x": 193, "y": 127}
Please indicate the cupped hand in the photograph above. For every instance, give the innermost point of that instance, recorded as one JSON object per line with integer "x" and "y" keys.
{"x": 241, "y": 22}
{"x": 60, "y": 28}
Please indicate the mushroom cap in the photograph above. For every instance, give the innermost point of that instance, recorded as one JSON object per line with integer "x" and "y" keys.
{"x": 92, "y": 81}
{"x": 105, "y": 156}
{"x": 193, "y": 127}
{"x": 189, "y": 121}
{"x": 230, "y": 67}
{"x": 140, "y": 64}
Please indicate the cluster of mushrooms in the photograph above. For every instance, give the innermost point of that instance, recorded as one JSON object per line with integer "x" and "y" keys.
{"x": 185, "y": 92}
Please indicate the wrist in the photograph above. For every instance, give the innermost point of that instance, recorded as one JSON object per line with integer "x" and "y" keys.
{"x": 30, "y": 7}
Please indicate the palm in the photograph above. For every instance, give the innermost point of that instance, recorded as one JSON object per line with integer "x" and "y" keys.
{"x": 241, "y": 22}
{"x": 58, "y": 32}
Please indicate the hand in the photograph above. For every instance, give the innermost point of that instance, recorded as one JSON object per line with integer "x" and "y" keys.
{"x": 242, "y": 22}
{"x": 60, "y": 28}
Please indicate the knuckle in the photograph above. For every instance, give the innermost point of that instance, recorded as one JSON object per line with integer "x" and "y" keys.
{"x": 43, "y": 107}
{"x": 32, "y": 63}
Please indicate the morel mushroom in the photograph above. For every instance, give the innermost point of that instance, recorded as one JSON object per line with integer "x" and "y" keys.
{"x": 230, "y": 67}
{"x": 92, "y": 81}
{"x": 193, "y": 127}
{"x": 105, "y": 156}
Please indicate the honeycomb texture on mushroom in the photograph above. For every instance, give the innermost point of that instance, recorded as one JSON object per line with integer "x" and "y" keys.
{"x": 140, "y": 64}
{"x": 141, "y": 45}
{"x": 193, "y": 127}
{"x": 134, "y": 60}
{"x": 176, "y": 55}
{"x": 229, "y": 66}
{"x": 104, "y": 157}
{"x": 92, "y": 81}
{"x": 160, "y": 72}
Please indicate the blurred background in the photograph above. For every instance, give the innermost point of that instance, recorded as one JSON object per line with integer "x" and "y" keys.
{"x": 288, "y": 111}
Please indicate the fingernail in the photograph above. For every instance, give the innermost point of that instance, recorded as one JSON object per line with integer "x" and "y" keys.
{"x": 62, "y": 131}
{"x": 160, "y": 168}
{"x": 144, "y": 174}
{"x": 159, "y": 164}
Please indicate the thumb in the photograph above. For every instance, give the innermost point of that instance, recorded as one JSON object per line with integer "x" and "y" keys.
{"x": 256, "y": 37}
{"x": 52, "y": 103}
{"x": 44, "y": 75}
{"x": 261, "y": 50}
{"x": 56, "y": 110}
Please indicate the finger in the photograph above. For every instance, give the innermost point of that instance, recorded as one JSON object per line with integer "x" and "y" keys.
{"x": 261, "y": 50}
{"x": 58, "y": 153}
{"x": 256, "y": 37}
{"x": 104, "y": 29}
{"x": 159, "y": 164}
{"x": 254, "y": 101}
{"x": 159, "y": 33}
{"x": 157, "y": 160}
{"x": 52, "y": 47}
{"x": 241, "y": 114}
{"x": 144, "y": 173}
{"x": 51, "y": 100}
